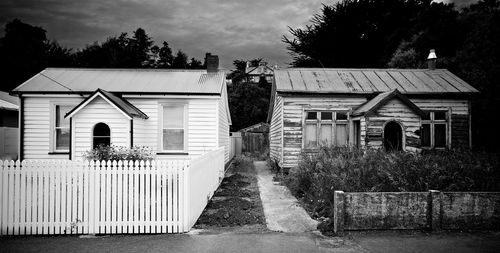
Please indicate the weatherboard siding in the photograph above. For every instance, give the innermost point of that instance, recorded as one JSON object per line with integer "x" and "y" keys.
{"x": 37, "y": 126}
{"x": 288, "y": 115}
{"x": 205, "y": 131}
{"x": 398, "y": 111}
{"x": 202, "y": 124}
{"x": 275, "y": 131}
{"x": 293, "y": 115}
{"x": 98, "y": 111}
{"x": 223, "y": 124}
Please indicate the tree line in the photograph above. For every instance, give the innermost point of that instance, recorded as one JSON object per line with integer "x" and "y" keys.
{"x": 25, "y": 50}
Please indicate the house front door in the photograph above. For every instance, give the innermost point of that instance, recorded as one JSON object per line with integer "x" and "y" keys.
{"x": 393, "y": 136}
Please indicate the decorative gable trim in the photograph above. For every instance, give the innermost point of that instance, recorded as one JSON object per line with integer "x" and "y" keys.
{"x": 117, "y": 102}
{"x": 381, "y": 99}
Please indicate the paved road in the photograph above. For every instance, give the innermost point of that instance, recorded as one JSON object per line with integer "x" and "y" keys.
{"x": 267, "y": 242}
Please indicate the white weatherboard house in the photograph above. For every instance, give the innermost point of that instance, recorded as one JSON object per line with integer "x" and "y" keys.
{"x": 403, "y": 109}
{"x": 178, "y": 113}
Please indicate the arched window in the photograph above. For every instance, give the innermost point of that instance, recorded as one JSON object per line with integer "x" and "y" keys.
{"x": 102, "y": 135}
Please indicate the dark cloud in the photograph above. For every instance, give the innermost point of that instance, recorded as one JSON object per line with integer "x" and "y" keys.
{"x": 234, "y": 29}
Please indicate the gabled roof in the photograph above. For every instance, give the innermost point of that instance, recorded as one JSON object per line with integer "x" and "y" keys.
{"x": 124, "y": 81}
{"x": 368, "y": 81}
{"x": 119, "y": 103}
{"x": 381, "y": 99}
{"x": 8, "y": 102}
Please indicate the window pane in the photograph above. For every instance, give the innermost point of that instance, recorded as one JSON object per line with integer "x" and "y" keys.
{"x": 326, "y": 116}
{"x": 312, "y": 115}
{"x": 341, "y": 116}
{"x": 425, "y": 136}
{"x": 60, "y": 112}
{"x": 341, "y": 135}
{"x": 105, "y": 141}
{"x": 439, "y": 115}
{"x": 62, "y": 139}
{"x": 101, "y": 129}
{"x": 310, "y": 136}
{"x": 173, "y": 139}
{"x": 439, "y": 135}
{"x": 325, "y": 138}
{"x": 173, "y": 116}
{"x": 427, "y": 116}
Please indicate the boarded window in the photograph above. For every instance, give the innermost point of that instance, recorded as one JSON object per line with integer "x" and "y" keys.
{"x": 173, "y": 134}
{"x": 310, "y": 136}
{"x": 326, "y": 135}
{"x": 341, "y": 135}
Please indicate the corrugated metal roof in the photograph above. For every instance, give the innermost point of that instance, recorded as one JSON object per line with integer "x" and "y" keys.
{"x": 124, "y": 81}
{"x": 363, "y": 81}
{"x": 8, "y": 102}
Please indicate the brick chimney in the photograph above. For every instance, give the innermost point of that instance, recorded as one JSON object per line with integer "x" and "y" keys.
{"x": 212, "y": 62}
{"x": 431, "y": 59}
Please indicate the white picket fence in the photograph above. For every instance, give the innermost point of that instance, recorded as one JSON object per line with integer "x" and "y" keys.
{"x": 109, "y": 197}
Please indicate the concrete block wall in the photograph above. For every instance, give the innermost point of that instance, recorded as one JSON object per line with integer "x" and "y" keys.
{"x": 432, "y": 210}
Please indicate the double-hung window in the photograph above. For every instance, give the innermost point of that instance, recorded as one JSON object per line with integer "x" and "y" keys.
{"x": 435, "y": 129}
{"x": 325, "y": 128}
{"x": 174, "y": 128}
{"x": 61, "y": 131}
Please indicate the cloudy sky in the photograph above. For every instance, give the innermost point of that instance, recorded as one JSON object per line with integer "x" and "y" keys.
{"x": 233, "y": 29}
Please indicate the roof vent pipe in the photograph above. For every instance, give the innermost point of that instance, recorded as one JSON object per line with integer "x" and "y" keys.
{"x": 431, "y": 59}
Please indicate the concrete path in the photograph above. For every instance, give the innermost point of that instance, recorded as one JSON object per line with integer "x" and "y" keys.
{"x": 282, "y": 210}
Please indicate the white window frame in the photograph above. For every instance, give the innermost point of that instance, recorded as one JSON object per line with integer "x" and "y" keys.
{"x": 432, "y": 122}
{"x": 319, "y": 122}
{"x": 185, "y": 127}
{"x": 53, "y": 128}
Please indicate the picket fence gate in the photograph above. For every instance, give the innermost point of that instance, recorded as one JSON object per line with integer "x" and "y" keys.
{"x": 106, "y": 197}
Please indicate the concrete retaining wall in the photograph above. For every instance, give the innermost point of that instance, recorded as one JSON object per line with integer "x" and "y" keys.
{"x": 431, "y": 210}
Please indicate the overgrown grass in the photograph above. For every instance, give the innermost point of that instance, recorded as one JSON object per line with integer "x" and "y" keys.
{"x": 354, "y": 170}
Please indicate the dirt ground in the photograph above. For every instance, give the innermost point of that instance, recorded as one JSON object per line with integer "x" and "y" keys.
{"x": 236, "y": 204}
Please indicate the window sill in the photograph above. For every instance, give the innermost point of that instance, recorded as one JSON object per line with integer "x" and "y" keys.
{"x": 172, "y": 153}
{"x": 59, "y": 153}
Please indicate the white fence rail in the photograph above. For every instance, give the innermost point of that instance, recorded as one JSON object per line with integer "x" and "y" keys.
{"x": 70, "y": 197}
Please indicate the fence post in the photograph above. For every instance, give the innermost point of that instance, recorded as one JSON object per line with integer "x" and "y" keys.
{"x": 434, "y": 210}
{"x": 338, "y": 211}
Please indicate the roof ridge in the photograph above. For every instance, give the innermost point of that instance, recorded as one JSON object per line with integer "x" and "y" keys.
{"x": 357, "y": 69}
{"x": 129, "y": 69}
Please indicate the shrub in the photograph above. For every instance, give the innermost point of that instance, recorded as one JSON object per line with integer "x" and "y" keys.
{"x": 104, "y": 152}
{"x": 354, "y": 170}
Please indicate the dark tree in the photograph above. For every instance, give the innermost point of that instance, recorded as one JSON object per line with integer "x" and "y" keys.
{"x": 166, "y": 58}
{"x": 363, "y": 33}
{"x": 180, "y": 61}
{"x": 140, "y": 48}
{"x": 25, "y": 51}
{"x": 195, "y": 64}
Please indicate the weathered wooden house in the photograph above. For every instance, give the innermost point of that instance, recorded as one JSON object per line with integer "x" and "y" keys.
{"x": 402, "y": 109}
{"x": 178, "y": 113}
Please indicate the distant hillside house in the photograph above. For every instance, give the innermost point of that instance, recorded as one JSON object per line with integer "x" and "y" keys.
{"x": 178, "y": 113}
{"x": 255, "y": 73}
{"x": 396, "y": 109}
